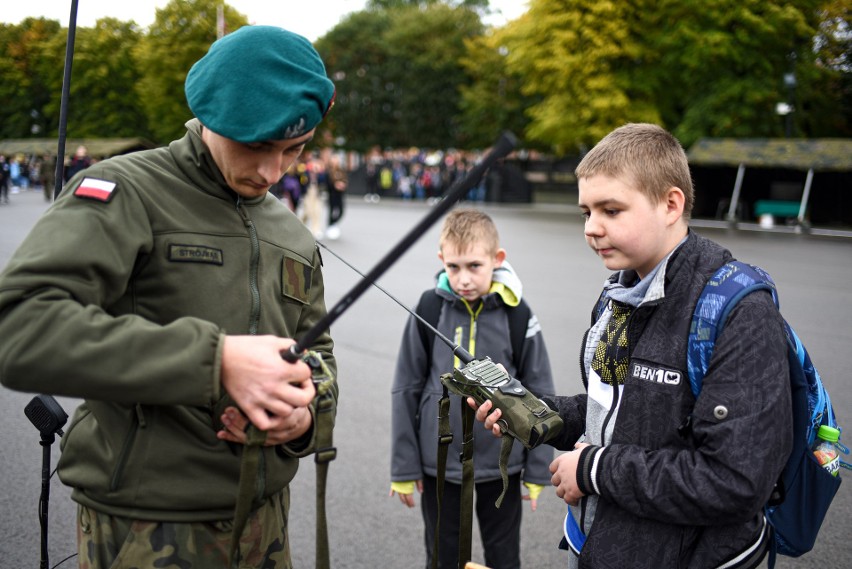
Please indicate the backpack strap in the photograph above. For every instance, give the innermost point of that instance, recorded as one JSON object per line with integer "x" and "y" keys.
{"x": 731, "y": 282}
{"x": 429, "y": 308}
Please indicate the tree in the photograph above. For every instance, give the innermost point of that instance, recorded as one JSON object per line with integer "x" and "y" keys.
{"x": 425, "y": 48}
{"x": 181, "y": 34}
{"x": 361, "y": 113}
{"x": 582, "y": 59}
{"x": 699, "y": 68}
{"x": 722, "y": 64}
{"x": 25, "y": 85}
{"x": 103, "y": 100}
{"x": 492, "y": 101}
{"x": 400, "y": 87}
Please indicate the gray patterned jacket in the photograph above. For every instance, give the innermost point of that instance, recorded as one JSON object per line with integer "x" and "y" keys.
{"x": 669, "y": 496}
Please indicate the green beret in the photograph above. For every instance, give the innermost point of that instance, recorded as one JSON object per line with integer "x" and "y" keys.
{"x": 260, "y": 83}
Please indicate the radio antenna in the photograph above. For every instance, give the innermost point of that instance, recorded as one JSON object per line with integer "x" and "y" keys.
{"x": 463, "y": 355}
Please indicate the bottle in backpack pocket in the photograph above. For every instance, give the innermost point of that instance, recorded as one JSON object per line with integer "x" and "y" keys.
{"x": 825, "y": 449}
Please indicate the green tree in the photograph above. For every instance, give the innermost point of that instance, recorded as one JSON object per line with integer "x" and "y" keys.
{"x": 491, "y": 101}
{"x": 722, "y": 64}
{"x": 826, "y": 97}
{"x": 180, "y": 35}
{"x": 426, "y": 47}
{"x": 699, "y": 68}
{"x": 400, "y": 87}
{"x": 582, "y": 59}
{"x": 26, "y": 88}
{"x": 362, "y": 106}
{"x": 103, "y": 100}
{"x": 390, "y": 4}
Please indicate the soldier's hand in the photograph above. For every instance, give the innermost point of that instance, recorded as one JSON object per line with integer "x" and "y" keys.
{"x": 265, "y": 386}
{"x": 292, "y": 427}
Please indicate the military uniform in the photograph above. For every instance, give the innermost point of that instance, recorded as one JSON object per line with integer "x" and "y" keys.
{"x": 122, "y": 294}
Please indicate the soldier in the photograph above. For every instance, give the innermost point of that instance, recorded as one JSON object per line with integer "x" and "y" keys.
{"x": 161, "y": 288}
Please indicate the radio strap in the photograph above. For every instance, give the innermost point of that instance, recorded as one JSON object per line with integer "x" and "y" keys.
{"x": 251, "y": 485}
{"x": 466, "y": 501}
{"x": 250, "y": 482}
{"x": 445, "y": 437}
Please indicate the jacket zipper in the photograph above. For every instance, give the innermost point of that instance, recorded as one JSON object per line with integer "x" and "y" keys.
{"x": 254, "y": 317}
{"x": 138, "y": 422}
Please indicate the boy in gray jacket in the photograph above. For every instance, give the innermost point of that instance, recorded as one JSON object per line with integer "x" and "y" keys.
{"x": 475, "y": 297}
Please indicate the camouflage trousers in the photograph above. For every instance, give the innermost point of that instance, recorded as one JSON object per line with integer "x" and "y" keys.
{"x": 112, "y": 542}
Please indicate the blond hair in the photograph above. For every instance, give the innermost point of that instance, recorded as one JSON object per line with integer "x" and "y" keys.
{"x": 646, "y": 156}
{"x": 465, "y": 228}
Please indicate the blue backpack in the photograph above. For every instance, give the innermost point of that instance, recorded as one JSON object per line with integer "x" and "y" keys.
{"x": 804, "y": 490}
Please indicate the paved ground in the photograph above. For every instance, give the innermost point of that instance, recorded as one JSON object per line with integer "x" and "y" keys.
{"x": 561, "y": 279}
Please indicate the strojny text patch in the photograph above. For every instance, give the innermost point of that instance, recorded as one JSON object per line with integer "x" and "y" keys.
{"x": 195, "y": 254}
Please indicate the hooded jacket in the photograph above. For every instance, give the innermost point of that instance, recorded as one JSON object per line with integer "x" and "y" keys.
{"x": 671, "y": 481}
{"x": 417, "y": 386}
{"x": 124, "y": 301}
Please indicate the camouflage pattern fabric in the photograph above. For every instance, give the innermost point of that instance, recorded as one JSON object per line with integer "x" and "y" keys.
{"x": 111, "y": 542}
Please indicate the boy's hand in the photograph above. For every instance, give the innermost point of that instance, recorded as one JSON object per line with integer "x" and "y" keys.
{"x": 406, "y": 491}
{"x": 534, "y": 491}
{"x": 564, "y": 469}
{"x": 484, "y": 415}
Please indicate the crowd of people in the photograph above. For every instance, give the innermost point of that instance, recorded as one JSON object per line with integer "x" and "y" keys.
{"x": 416, "y": 174}
{"x": 21, "y": 172}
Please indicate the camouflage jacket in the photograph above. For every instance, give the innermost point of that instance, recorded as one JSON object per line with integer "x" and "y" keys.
{"x": 123, "y": 300}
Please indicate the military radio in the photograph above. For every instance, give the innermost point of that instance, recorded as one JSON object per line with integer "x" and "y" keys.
{"x": 523, "y": 415}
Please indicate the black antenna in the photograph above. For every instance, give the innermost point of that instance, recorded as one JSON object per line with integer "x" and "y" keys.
{"x": 501, "y": 148}
{"x": 463, "y": 355}
{"x": 63, "y": 102}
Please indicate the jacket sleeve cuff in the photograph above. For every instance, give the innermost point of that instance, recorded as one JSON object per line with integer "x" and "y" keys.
{"x": 587, "y": 469}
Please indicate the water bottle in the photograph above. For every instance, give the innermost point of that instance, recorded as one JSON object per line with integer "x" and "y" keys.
{"x": 825, "y": 449}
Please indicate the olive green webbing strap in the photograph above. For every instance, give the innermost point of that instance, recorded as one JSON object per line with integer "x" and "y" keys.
{"x": 325, "y": 453}
{"x": 445, "y": 437}
{"x": 466, "y": 502}
{"x": 505, "y": 450}
{"x": 249, "y": 481}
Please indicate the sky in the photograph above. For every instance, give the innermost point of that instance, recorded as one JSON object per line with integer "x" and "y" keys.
{"x": 311, "y": 18}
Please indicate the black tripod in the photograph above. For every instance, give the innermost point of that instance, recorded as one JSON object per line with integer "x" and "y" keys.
{"x": 48, "y": 417}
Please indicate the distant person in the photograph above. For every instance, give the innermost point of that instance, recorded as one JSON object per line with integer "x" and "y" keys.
{"x": 337, "y": 180}
{"x": 161, "y": 288}
{"x": 48, "y": 176}
{"x": 80, "y": 161}
{"x": 5, "y": 175}
{"x": 653, "y": 477}
{"x": 475, "y": 292}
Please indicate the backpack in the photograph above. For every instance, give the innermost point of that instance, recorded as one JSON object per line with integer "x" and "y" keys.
{"x": 804, "y": 491}
{"x": 429, "y": 308}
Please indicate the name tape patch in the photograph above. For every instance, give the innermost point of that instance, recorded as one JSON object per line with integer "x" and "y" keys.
{"x": 95, "y": 189}
{"x": 195, "y": 254}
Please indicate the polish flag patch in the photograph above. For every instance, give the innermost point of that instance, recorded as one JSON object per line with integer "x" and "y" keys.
{"x": 95, "y": 189}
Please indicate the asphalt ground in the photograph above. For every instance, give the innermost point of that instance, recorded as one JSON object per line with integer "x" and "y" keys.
{"x": 561, "y": 279}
